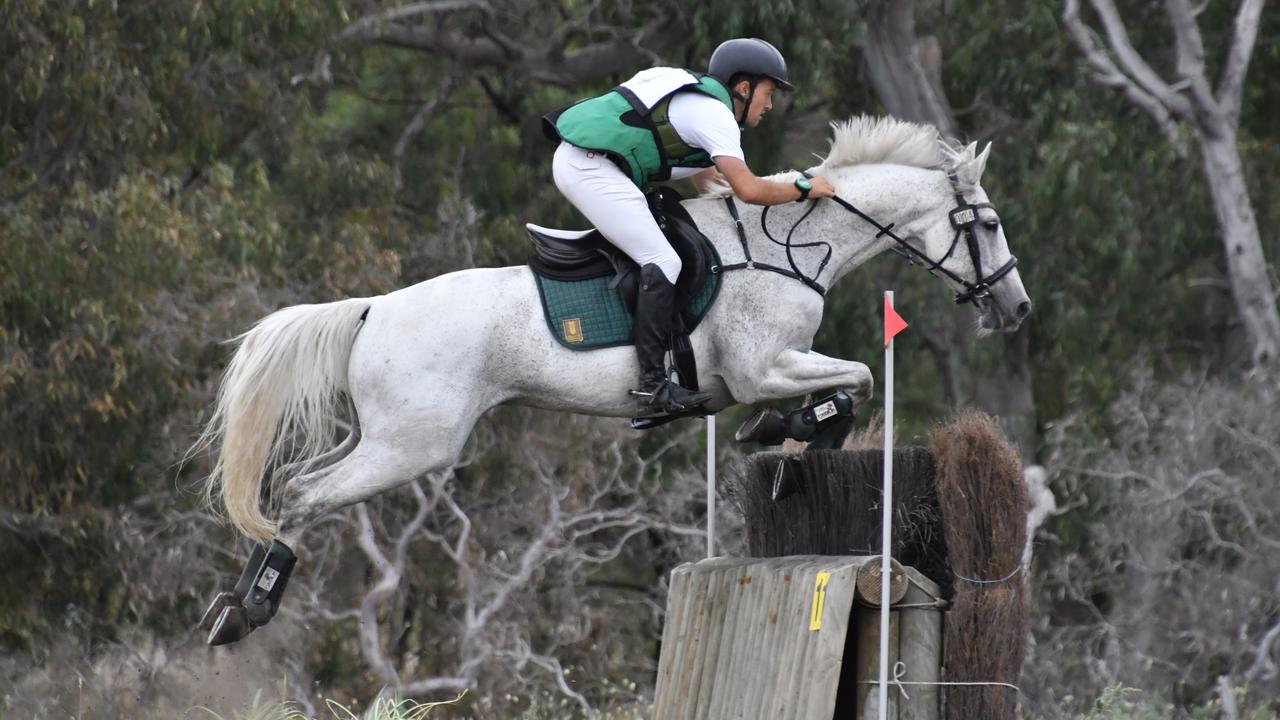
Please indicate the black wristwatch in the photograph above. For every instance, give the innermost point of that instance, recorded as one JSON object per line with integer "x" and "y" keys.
{"x": 804, "y": 186}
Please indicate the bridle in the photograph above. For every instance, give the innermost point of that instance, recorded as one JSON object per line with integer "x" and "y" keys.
{"x": 964, "y": 218}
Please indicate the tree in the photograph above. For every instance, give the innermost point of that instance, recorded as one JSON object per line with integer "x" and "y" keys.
{"x": 1212, "y": 117}
{"x": 906, "y": 72}
{"x": 557, "y": 47}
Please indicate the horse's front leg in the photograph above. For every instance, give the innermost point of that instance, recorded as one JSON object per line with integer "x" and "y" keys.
{"x": 794, "y": 374}
{"x": 823, "y": 425}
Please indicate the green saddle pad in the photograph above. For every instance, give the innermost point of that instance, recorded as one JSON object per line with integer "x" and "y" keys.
{"x": 586, "y": 314}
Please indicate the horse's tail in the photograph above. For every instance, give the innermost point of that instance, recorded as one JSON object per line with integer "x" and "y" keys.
{"x": 281, "y": 388}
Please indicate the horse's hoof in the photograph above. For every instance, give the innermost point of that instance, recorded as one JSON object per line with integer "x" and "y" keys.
{"x": 765, "y": 426}
{"x": 232, "y": 624}
{"x": 215, "y": 609}
{"x": 259, "y": 613}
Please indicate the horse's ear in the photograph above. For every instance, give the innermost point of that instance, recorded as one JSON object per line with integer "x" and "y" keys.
{"x": 970, "y": 171}
{"x": 969, "y": 151}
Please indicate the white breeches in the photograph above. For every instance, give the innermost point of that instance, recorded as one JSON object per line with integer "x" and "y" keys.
{"x": 614, "y": 205}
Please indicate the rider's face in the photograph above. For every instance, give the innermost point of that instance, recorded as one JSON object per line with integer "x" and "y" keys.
{"x": 762, "y": 101}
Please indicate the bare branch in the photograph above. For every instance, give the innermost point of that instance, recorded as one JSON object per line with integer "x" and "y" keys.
{"x": 548, "y": 63}
{"x": 425, "y": 114}
{"x": 1134, "y": 65}
{"x": 426, "y": 686}
{"x": 1231, "y": 89}
{"x": 412, "y": 10}
{"x": 1106, "y": 72}
{"x": 1191, "y": 67}
{"x": 1263, "y": 666}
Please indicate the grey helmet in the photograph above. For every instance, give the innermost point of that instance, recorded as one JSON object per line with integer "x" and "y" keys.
{"x": 749, "y": 56}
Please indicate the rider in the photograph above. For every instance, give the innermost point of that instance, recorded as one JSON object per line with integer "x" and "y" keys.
{"x": 665, "y": 124}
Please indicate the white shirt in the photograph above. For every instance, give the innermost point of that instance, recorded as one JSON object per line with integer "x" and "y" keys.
{"x": 704, "y": 123}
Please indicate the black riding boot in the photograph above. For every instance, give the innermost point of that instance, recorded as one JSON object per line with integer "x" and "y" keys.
{"x": 655, "y": 312}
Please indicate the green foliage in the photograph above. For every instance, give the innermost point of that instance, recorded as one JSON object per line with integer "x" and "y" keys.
{"x": 1115, "y": 703}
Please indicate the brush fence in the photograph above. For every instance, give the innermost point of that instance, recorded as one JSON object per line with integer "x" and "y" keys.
{"x": 796, "y": 638}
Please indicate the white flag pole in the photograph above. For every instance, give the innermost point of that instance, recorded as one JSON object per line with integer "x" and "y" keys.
{"x": 886, "y": 519}
{"x": 711, "y": 486}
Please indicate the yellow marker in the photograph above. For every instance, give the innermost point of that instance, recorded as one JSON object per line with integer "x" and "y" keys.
{"x": 819, "y": 599}
{"x": 573, "y": 330}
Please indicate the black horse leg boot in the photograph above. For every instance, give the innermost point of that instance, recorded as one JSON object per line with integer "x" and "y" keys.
{"x": 655, "y": 302}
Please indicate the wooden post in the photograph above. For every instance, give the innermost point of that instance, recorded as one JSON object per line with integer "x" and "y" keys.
{"x": 920, "y": 648}
{"x": 868, "y": 662}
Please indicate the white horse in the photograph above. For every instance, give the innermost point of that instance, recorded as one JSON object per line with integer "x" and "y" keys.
{"x": 420, "y": 365}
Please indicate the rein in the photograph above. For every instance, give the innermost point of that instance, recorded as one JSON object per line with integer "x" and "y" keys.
{"x": 964, "y": 218}
{"x": 750, "y": 264}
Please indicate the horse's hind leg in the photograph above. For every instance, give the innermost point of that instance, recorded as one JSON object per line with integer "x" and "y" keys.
{"x": 227, "y": 618}
{"x": 373, "y": 466}
{"x": 284, "y": 473}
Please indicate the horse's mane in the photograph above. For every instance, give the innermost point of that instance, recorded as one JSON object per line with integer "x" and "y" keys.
{"x": 867, "y": 139}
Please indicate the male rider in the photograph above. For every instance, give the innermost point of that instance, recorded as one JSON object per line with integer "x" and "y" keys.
{"x": 666, "y": 124}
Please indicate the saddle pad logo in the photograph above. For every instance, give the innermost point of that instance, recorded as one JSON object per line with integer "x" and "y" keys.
{"x": 572, "y": 330}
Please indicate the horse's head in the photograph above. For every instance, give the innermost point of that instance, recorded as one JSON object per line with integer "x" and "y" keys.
{"x": 906, "y": 173}
{"x": 962, "y": 235}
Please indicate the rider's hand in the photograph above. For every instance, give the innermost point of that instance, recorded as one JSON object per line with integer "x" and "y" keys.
{"x": 822, "y": 188}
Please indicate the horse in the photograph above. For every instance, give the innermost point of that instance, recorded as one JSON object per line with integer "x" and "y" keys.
{"x": 419, "y": 366}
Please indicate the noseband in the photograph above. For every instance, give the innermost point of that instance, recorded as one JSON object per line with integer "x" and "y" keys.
{"x": 964, "y": 218}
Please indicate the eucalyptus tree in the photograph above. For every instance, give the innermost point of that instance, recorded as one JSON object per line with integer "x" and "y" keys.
{"x": 1191, "y": 105}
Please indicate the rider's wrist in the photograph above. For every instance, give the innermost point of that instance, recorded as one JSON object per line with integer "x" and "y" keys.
{"x": 804, "y": 186}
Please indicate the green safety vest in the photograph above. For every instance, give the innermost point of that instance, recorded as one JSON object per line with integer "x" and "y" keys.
{"x": 639, "y": 139}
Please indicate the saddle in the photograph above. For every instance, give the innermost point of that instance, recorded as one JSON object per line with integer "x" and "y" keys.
{"x": 572, "y": 255}
{"x": 588, "y": 287}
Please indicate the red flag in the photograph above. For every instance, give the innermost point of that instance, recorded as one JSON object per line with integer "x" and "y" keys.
{"x": 893, "y": 322}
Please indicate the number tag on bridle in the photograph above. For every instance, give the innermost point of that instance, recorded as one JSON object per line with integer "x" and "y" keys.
{"x": 963, "y": 216}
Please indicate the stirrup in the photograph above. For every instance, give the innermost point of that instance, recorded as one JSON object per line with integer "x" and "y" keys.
{"x": 669, "y": 398}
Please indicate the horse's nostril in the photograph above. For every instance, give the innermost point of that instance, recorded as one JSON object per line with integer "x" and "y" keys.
{"x": 1024, "y": 309}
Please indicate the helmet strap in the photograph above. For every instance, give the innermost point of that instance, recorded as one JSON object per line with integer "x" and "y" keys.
{"x": 746, "y": 101}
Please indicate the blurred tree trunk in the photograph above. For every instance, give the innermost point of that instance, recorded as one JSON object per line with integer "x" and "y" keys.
{"x": 906, "y": 72}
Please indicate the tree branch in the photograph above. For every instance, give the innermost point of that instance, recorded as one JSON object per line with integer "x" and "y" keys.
{"x": 1134, "y": 66}
{"x": 549, "y": 64}
{"x": 1162, "y": 108}
{"x": 426, "y": 113}
{"x": 374, "y": 23}
{"x": 1190, "y": 64}
{"x": 1231, "y": 89}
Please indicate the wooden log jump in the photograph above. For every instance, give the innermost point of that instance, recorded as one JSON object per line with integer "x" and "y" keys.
{"x": 732, "y": 643}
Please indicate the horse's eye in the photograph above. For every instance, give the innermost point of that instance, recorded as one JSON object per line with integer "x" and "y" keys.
{"x": 992, "y": 225}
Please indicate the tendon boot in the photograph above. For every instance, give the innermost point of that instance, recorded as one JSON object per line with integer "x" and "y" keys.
{"x": 655, "y": 310}
{"x": 823, "y": 424}
{"x": 236, "y": 596}
{"x": 261, "y": 599}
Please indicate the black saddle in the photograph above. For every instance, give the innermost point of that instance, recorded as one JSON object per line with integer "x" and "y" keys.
{"x": 586, "y": 254}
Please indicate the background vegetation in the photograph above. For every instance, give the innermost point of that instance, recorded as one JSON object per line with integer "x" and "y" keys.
{"x": 172, "y": 171}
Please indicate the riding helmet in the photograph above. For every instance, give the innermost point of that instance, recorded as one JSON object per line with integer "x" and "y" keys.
{"x": 749, "y": 56}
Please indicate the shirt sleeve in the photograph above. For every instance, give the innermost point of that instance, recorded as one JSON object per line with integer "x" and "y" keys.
{"x": 705, "y": 123}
